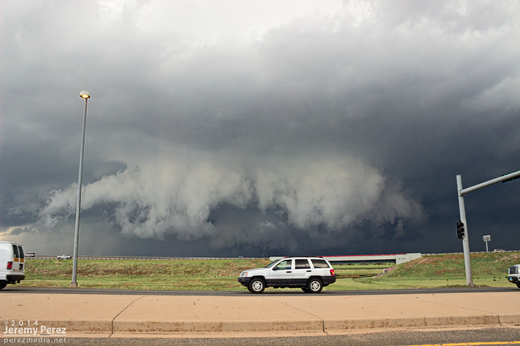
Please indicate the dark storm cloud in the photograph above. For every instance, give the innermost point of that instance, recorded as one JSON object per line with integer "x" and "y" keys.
{"x": 327, "y": 131}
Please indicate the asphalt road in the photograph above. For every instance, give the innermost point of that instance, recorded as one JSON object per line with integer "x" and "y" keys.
{"x": 473, "y": 337}
{"x": 79, "y": 290}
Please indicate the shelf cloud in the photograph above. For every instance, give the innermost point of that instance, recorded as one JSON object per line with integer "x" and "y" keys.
{"x": 254, "y": 128}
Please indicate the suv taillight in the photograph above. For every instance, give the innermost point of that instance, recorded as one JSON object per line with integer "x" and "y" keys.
{"x": 332, "y": 272}
{"x": 9, "y": 265}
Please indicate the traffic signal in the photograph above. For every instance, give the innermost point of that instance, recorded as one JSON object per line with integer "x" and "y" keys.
{"x": 460, "y": 229}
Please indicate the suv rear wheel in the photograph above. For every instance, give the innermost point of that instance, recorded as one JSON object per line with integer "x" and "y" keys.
{"x": 256, "y": 285}
{"x": 314, "y": 286}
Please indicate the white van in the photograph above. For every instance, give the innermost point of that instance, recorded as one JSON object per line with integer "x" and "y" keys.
{"x": 12, "y": 263}
{"x": 514, "y": 275}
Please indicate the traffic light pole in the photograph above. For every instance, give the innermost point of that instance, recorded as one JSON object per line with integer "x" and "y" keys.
{"x": 462, "y": 210}
{"x": 465, "y": 239}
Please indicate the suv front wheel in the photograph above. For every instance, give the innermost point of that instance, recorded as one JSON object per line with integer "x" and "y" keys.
{"x": 314, "y": 286}
{"x": 256, "y": 285}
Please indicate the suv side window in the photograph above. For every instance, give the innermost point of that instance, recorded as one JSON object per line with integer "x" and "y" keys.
{"x": 284, "y": 265}
{"x": 301, "y": 264}
{"x": 319, "y": 263}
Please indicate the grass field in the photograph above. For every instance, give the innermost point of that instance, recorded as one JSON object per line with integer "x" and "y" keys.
{"x": 218, "y": 275}
{"x": 221, "y": 275}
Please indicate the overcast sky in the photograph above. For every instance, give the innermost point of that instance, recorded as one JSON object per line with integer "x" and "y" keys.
{"x": 258, "y": 128}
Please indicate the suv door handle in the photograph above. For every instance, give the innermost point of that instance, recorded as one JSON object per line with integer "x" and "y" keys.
{"x": 308, "y": 271}
{"x": 288, "y": 271}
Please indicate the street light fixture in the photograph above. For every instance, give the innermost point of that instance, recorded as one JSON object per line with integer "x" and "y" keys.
{"x": 84, "y": 95}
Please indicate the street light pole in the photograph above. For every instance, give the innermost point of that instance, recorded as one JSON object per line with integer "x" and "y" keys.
{"x": 84, "y": 95}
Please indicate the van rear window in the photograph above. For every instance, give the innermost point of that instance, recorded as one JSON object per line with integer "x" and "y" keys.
{"x": 20, "y": 252}
{"x": 15, "y": 251}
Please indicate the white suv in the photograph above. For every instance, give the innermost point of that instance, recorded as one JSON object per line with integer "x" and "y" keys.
{"x": 311, "y": 274}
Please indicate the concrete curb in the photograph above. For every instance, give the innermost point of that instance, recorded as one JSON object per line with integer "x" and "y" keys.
{"x": 335, "y": 326}
{"x": 217, "y": 327}
{"x": 418, "y": 322}
{"x": 510, "y": 319}
{"x": 302, "y": 326}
